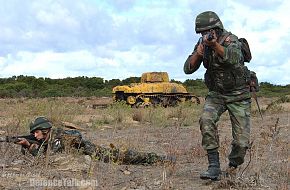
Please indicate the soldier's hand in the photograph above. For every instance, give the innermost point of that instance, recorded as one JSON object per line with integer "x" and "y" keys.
{"x": 211, "y": 43}
{"x": 200, "y": 50}
{"x": 23, "y": 142}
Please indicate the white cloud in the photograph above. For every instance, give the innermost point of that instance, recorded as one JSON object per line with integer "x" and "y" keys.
{"x": 111, "y": 39}
{"x": 48, "y": 64}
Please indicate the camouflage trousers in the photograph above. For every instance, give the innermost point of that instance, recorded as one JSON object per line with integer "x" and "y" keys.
{"x": 120, "y": 156}
{"x": 129, "y": 156}
{"x": 239, "y": 112}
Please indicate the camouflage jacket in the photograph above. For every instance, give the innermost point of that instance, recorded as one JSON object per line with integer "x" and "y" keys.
{"x": 61, "y": 140}
{"x": 225, "y": 76}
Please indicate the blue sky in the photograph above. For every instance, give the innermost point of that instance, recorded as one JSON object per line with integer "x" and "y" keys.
{"x": 124, "y": 38}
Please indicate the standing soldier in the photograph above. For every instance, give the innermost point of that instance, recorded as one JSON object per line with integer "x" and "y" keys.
{"x": 227, "y": 79}
{"x": 44, "y": 137}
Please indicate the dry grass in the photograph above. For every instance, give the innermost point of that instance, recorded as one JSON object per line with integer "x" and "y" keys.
{"x": 173, "y": 131}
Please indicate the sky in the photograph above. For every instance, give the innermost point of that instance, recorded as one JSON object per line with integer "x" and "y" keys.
{"x": 117, "y": 39}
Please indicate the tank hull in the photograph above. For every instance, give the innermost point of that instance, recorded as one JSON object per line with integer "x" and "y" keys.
{"x": 161, "y": 93}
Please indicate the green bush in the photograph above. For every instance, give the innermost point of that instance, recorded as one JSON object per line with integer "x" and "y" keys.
{"x": 30, "y": 86}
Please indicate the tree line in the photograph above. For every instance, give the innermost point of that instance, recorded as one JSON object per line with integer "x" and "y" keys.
{"x": 30, "y": 86}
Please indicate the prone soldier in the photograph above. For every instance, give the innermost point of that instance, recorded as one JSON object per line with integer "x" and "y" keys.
{"x": 44, "y": 136}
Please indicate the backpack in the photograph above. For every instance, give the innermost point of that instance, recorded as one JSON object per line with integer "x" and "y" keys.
{"x": 254, "y": 84}
{"x": 246, "y": 50}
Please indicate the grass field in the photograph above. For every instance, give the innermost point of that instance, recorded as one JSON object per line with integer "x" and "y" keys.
{"x": 172, "y": 131}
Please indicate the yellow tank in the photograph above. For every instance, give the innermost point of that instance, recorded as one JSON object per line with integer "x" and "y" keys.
{"x": 154, "y": 89}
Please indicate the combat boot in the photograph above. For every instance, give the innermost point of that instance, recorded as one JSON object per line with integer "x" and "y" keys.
{"x": 213, "y": 172}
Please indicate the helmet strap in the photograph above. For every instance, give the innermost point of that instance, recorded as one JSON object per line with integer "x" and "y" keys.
{"x": 47, "y": 133}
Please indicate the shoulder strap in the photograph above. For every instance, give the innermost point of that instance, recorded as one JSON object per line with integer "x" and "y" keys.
{"x": 222, "y": 40}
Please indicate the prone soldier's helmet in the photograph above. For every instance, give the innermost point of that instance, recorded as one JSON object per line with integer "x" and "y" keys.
{"x": 40, "y": 123}
{"x": 206, "y": 21}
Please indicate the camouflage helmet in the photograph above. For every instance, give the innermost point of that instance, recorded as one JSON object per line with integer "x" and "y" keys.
{"x": 39, "y": 124}
{"x": 206, "y": 21}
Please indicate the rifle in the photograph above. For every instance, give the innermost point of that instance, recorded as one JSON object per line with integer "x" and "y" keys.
{"x": 15, "y": 139}
{"x": 254, "y": 95}
{"x": 254, "y": 87}
{"x": 207, "y": 50}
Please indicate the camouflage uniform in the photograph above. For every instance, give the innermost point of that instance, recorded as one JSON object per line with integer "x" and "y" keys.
{"x": 227, "y": 80}
{"x": 63, "y": 140}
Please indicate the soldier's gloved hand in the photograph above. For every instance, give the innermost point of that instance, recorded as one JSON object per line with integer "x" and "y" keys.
{"x": 23, "y": 142}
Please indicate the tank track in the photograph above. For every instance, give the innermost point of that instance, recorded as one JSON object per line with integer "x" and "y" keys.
{"x": 166, "y": 99}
